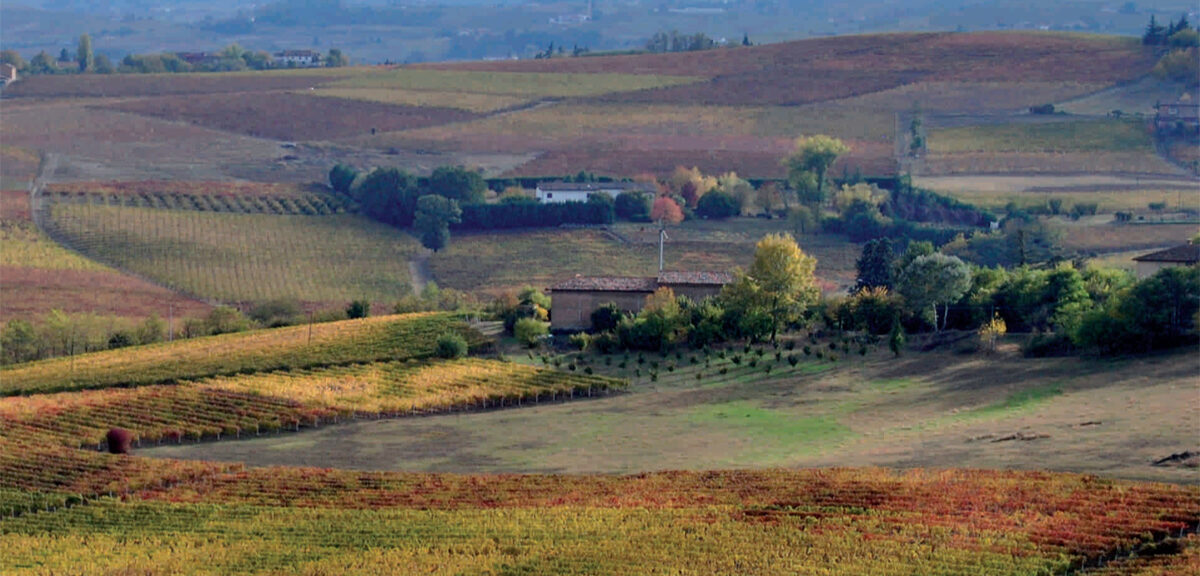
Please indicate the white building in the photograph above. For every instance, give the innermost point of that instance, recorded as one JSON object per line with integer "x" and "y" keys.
{"x": 301, "y": 58}
{"x": 551, "y": 192}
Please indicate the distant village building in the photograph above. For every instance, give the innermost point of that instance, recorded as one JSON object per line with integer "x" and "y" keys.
{"x": 198, "y": 58}
{"x": 298, "y": 58}
{"x": 1181, "y": 115}
{"x": 558, "y": 192}
{"x": 8, "y": 74}
{"x": 1183, "y": 255}
{"x": 575, "y": 299}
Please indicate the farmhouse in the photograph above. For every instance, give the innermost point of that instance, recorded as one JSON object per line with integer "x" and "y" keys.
{"x": 8, "y": 74}
{"x": 301, "y": 58}
{"x": 1181, "y": 115}
{"x": 1182, "y": 255}
{"x": 577, "y": 298}
{"x": 198, "y": 58}
{"x": 559, "y": 192}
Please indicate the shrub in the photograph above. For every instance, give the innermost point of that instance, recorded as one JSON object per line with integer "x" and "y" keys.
{"x": 225, "y": 319}
{"x": 275, "y": 313}
{"x": 718, "y": 205}
{"x": 606, "y": 343}
{"x": 581, "y": 340}
{"x": 528, "y": 331}
{"x": 451, "y": 345}
{"x": 633, "y": 206}
{"x": 120, "y": 339}
{"x": 358, "y": 309}
{"x": 120, "y": 441}
{"x": 606, "y": 317}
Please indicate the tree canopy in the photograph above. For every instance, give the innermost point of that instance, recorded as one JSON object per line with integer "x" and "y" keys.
{"x": 389, "y": 195}
{"x": 809, "y": 163}
{"x": 458, "y": 183}
{"x": 432, "y": 222}
{"x": 931, "y": 280}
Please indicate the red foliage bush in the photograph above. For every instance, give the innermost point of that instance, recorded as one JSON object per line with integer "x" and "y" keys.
{"x": 120, "y": 441}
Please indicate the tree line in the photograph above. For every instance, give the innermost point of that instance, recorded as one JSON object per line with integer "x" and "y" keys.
{"x": 85, "y": 60}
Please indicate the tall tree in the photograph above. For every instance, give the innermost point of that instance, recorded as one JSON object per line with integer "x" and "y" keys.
{"x": 336, "y": 59}
{"x": 875, "y": 265}
{"x": 84, "y": 54}
{"x": 932, "y": 280}
{"x": 389, "y": 195}
{"x": 784, "y": 274}
{"x": 434, "y": 216}
{"x": 42, "y": 63}
{"x": 809, "y": 163}
{"x": 12, "y": 58}
{"x": 666, "y": 210}
{"x": 341, "y": 177}
{"x": 458, "y": 183}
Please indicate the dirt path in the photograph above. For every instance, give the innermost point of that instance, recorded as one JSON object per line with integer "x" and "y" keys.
{"x": 418, "y": 271}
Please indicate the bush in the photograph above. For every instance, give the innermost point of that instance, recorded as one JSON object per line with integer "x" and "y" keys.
{"x": 451, "y": 345}
{"x": 120, "y": 441}
{"x": 633, "y": 206}
{"x": 718, "y": 205}
{"x": 120, "y": 339}
{"x": 358, "y": 309}
{"x": 225, "y": 319}
{"x": 532, "y": 215}
{"x": 275, "y": 313}
{"x": 528, "y": 331}
{"x": 606, "y": 342}
{"x": 580, "y": 340}
{"x": 606, "y": 317}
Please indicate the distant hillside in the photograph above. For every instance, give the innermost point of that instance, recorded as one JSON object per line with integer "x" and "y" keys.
{"x": 806, "y": 71}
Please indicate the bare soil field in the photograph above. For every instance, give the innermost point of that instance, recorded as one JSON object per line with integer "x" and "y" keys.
{"x": 18, "y": 166}
{"x": 291, "y": 116}
{"x": 935, "y": 409}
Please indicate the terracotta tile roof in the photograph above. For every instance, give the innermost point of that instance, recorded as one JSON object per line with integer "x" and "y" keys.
{"x": 639, "y": 284}
{"x": 606, "y": 284}
{"x": 695, "y": 278}
{"x": 1182, "y": 254}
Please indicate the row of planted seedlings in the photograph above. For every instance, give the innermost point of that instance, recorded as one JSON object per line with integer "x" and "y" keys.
{"x": 790, "y": 351}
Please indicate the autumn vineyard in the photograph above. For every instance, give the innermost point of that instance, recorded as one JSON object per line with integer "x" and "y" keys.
{"x": 67, "y": 506}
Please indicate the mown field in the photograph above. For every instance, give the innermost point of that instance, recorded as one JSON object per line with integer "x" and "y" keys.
{"x": 543, "y": 258}
{"x": 1112, "y": 193}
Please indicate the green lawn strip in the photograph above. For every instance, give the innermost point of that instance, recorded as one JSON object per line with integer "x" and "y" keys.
{"x": 1069, "y": 136}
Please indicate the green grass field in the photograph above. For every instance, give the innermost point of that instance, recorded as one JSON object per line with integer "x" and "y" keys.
{"x": 1058, "y": 137}
{"x": 245, "y": 257}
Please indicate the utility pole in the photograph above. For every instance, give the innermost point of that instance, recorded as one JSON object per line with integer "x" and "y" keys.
{"x": 171, "y": 322}
{"x": 662, "y": 238}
